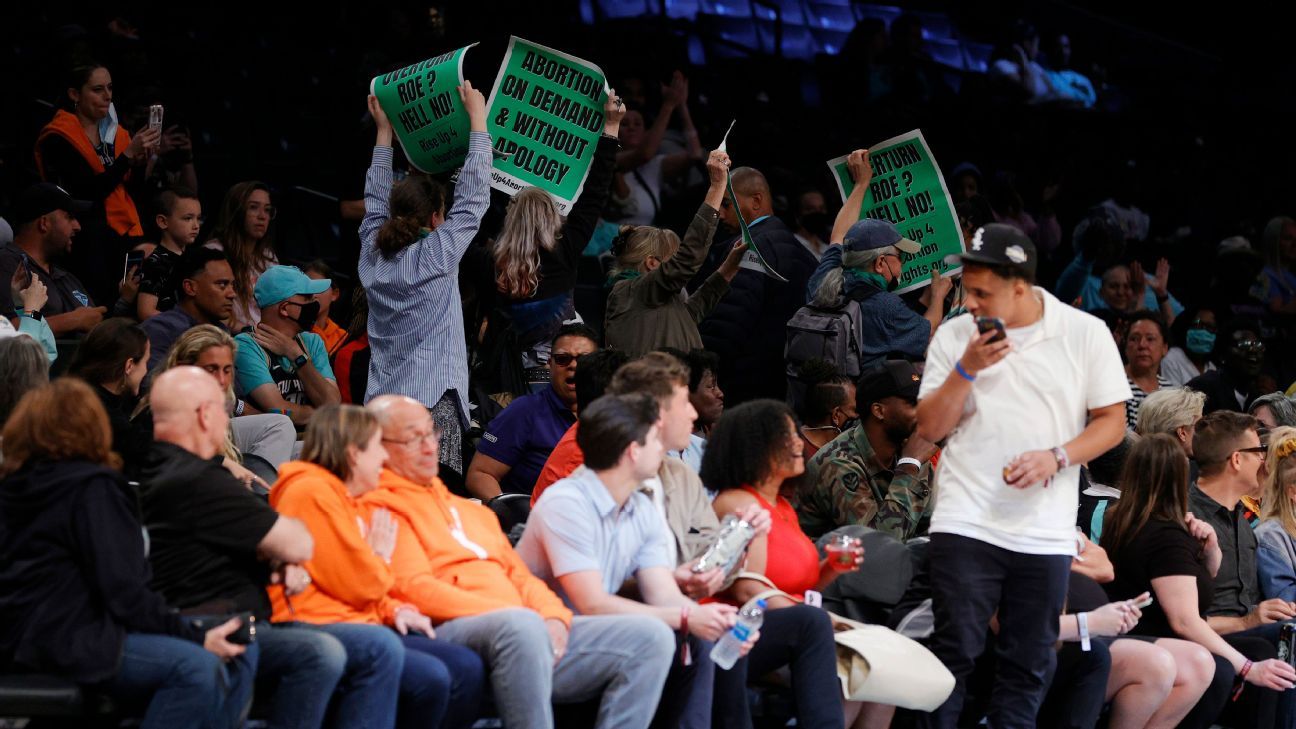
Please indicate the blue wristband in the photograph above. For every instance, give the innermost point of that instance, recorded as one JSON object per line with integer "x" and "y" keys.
{"x": 958, "y": 367}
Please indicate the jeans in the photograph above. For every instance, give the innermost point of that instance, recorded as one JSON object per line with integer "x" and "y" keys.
{"x": 298, "y": 671}
{"x": 624, "y": 658}
{"x": 270, "y": 436}
{"x": 1079, "y": 688}
{"x": 366, "y": 696}
{"x": 697, "y": 712}
{"x": 441, "y": 685}
{"x": 971, "y": 580}
{"x": 182, "y": 683}
{"x": 801, "y": 638}
{"x": 682, "y": 682}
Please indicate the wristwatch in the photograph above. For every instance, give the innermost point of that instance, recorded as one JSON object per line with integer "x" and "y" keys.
{"x": 32, "y": 314}
{"x": 301, "y": 361}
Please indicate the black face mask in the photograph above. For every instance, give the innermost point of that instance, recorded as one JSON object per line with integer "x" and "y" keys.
{"x": 308, "y": 315}
{"x": 817, "y": 223}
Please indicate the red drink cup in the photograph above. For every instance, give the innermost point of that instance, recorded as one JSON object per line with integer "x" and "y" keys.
{"x": 841, "y": 552}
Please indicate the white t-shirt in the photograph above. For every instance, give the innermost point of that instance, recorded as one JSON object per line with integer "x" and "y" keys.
{"x": 639, "y": 208}
{"x": 1036, "y": 398}
{"x": 1178, "y": 369}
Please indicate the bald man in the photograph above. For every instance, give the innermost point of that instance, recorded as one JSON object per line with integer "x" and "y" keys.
{"x": 215, "y": 544}
{"x": 455, "y": 564}
{"x": 748, "y": 328}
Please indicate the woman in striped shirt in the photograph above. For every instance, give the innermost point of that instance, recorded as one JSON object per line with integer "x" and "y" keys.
{"x": 409, "y": 266}
{"x": 1146, "y": 345}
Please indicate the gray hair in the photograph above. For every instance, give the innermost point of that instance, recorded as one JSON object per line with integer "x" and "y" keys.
{"x": 1283, "y": 408}
{"x": 1169, "y": 408}
{"x": 23, "y": 368}
{"x": 831, "y": 292}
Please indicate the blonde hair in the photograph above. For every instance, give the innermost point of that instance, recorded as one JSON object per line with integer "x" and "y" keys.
{"x": 1281, "y": 468}
{"x": 1169, "y": 408}
{"x": 334, "y": 428}
{"x": 638, "y": 243}
{"x": 186, "y": 350}
{"x": 531, "y": 225}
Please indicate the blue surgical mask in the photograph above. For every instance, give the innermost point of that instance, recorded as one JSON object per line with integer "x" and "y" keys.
{"x": 1201, "y": 341}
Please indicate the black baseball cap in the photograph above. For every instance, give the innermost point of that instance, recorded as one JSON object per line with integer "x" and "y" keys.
{"x": 44, "y": 198}
{"x": 996, "y": 244}
{"x": 894, "y": 378}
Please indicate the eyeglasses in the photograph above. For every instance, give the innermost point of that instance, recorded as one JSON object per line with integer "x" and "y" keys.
{"x": 1199, "y": 324}
{"x": 564, "y": 359}
{"x": 1259, "y": 450}
{"x": 433, "y": 436}
{"x": 1249, "y": 345}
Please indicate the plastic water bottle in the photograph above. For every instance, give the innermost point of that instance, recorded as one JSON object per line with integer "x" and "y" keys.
{"x": 726, "y": 650}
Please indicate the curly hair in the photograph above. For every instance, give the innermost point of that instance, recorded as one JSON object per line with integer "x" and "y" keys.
{"x": 746, "y": 443}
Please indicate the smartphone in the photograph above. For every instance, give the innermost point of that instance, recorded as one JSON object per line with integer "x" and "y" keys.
{"x": 155, "y": 118}
{"x": 133, "y": 258}
{"x": 990, "y": 323}
{"x": 244, "y": 634}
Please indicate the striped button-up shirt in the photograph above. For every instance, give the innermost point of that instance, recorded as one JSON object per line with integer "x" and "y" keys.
{"x": 416, "y": 331}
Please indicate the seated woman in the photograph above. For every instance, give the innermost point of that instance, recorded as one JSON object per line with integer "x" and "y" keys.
{"x": 271, "y": 437}
{"x": 1276, "y": 534}
{"x": 1145, "y": 346}
{"x": 753, "y": 451}
{"x": 242, "y": 230}
{"x": 1155, "y": 548}
{"x": 74, "y": 595}
{"x": 1148, "y": 683}
{"x": 647, "y": 308}
{"x": 350, "y": 577}
{"x": 113, "y": 359}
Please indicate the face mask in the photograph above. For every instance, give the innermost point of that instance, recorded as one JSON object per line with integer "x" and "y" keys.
{"x": 308, "y": 315}
{"x": 1200, "y": 341}
{"x": 817, "y": 223}
{"x": 108, "y": 126}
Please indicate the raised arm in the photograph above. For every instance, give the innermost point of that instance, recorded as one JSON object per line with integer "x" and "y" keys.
{"x": 861, "y": 171}
{"x": 472, "y": 192}
{"x": 589, "y": 206}
{"x": 667, "y": 280}
{"x": 378, "y": 181}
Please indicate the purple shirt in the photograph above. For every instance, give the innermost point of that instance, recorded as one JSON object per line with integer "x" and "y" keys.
{"x": 523, "y": 436}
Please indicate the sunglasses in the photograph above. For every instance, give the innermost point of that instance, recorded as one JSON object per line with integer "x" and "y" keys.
{"x": 1253, "y": 449}
{"x": 564, "y": 359}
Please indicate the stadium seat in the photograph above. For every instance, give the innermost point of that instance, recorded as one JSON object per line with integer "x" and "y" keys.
{"x": 830, "y": 16}
{"x": 40, "y": 695}
{"x": 728, "y": 36}
{"x": 790, "y": 11}
{"x": 614, "y": 9}
{"x": 727, "y": 8}
{"x": 976, "y": 56}
{"x": 945, "y": 51}
{"x": 936, "y": 25}
{"x": 797, "y": 43}
{"x": 885, "y": 13}
{"x": 830, "y": 41}
{"x": 681, "y": 9}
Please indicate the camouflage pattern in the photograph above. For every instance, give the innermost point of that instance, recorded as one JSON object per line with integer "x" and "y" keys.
{"x": 843, "y": 485}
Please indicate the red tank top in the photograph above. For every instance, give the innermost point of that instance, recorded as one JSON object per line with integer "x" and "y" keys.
{"x": 791, "y": 559}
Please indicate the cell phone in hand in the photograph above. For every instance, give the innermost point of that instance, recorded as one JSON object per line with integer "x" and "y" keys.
{"x": 155, "y": 118}
{"x": 133, "y": 258}
{"x": 990, "y": 323}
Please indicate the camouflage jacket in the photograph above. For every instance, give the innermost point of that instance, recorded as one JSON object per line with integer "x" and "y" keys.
{"x": 844, "y": 485}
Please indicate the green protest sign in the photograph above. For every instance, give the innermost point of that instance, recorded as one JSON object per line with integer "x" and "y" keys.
{"x": 544, "y": 115}
{"x": 909, "y": 191}
{"x": 426, "y": 112}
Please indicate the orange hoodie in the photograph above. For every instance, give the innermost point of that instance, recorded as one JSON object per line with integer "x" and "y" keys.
{"x": 450, "y": 573}
{"x": 119, "y": 208}
{"x": 349, "y": 583}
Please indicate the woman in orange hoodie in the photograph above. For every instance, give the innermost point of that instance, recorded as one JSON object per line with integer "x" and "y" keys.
{"x": 350, "y": 578}
{"x": 83, "y": 150}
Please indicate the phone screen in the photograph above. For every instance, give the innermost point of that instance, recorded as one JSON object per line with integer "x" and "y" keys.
{"x": 989, "y": 323}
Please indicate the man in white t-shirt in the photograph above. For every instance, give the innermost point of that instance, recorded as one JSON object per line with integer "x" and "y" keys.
{"x": 1020, "y": 415}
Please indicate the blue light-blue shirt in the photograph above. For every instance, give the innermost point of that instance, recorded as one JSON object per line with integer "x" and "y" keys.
{"x": 416, "y": 331}
{"x": 576, "y": 526}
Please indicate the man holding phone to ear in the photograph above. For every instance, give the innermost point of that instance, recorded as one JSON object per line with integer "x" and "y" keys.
{"x": 1024, "y": 396}
{"x": 44, "y": 218}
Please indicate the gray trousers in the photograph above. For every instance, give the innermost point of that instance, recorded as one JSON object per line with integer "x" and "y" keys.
{"x": 623, "y": 657}
{"x": 270, "y": 436}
